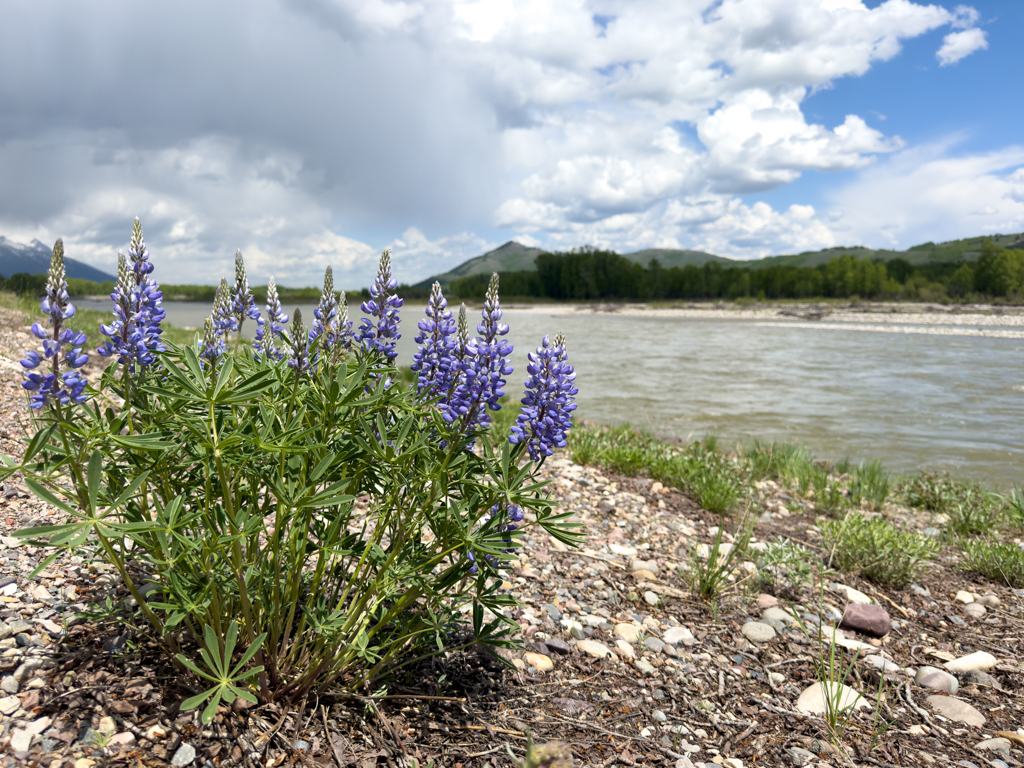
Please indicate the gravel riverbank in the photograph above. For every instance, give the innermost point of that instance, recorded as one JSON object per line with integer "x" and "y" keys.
{"x": 619, "y": 660}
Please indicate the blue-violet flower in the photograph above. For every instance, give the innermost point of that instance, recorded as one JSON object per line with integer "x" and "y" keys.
{"x": 265, "y": 343}
{"x": 383, "y": 306}
{"x": 435, "y": 359}
{"x": 548, "y": 402}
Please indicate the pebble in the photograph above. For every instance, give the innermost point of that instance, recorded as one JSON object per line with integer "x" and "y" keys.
{"x": 659, "y": 716}
{"x": 557, "y": 645}
{"x": 853, "y": 595}
{"x": 625, "y": 649}
{"x": 9, "y": 705}
{"x": 654, "y": 644}
{"x": 186, "y": 754}
{"x": 764, "y": 602}
{"x": 646, "y": 667}
{"x": 937, "y": 680}
{"x": 964, "y": 597}
{"x": 125, "y": 739}
{"x": 757, "y": 632}
{"x": 644, "y": 575}
{"x": 800, "y": 756}
{"x": 977, "y": 660}
{"x": 594, "y": 648}
{"x": 977, "y": 677}
{"x": 777, "y": 614}
{"x": 989, "y": 601}
{"x": 812, "y": 700}
{"x": 156, "y": 732}
{"x": 882, "y": 663}
{"x": 678, "y": 635}
{"x": 651, "y": 598}
{"x": 645, "y": 565}
{"x": 955, "y": 709}
{"x": 21, "y": 740}
{"x": 539, "y": 661}
{"x": 627, "y": 632}
{"x": 10, "y": 684}
{"x": 974, "y": 610}
{"x": 1016, "y": 738}
{"x": 995, "y": 744}
{"x": 870, "y": 620}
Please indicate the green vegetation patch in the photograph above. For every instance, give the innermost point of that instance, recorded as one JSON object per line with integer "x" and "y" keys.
{"x": 877, "y": 550}
{"x": 1000, "y": 562}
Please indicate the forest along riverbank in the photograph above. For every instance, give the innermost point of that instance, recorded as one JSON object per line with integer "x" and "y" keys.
{"x": 640, "y": 648}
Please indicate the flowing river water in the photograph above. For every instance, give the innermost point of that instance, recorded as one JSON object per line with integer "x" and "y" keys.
{"x": 943, "y": 401}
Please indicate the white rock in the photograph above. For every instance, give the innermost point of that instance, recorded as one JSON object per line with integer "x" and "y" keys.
{"x": 594, "y": 648}
{"x": 853, "y": 595}
{"x": 186, "y": 754}
{"x": 964, "y": 597}
{"x": 882, "y": 663}
{"x": 977, "y": 660}
{"x": 955, "y": 709}
{"x": 812, "y": 700}
{"x": 21, "y": 740}
{"x": 757, "y": 632}
{"x": 627, "y": 632}
{"x": 9, "y": 705}
{"x": 539, "y": 661}
{"x": 107, "y": 725}
{"x": 945, "y": 682}
{"x": 618, "y": 549}
{"x": 651, "y": 598}
{"x": 625, "y": 649}
{"x": 677, "y": 635}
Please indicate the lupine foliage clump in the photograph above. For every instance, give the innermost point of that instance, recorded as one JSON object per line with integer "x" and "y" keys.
{"x": 292, "y": 500}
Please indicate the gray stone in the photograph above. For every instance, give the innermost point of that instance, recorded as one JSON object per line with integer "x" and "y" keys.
{"x": 800, "y": 756}
{"x": 19, "y": 625}
{"x": 778, "y": 614}
{"x": 9, "y": 705}
{"x": 594, "y": 648}
{"x": 661, "y": 718}
{"x": 955, "y": 709}
{"x": 994, "y": 744}
{"x": 557, "y": 645}
{"x": 646, "y": 667}
{"x": 186, "y": 754}
{"x": 651, "y": 598}
{"x": 757, "y": 632}
{"x": 553, "y": 611}
{"x": 645, "y": 565}
{"x": 977, "y": 677}
{"x": 21, "y": 740}
{"x": 974, "y": 610}
{"x": 10, "y": 684}
{"x": 936, "y": 680}
{"x": 654, "y": 644}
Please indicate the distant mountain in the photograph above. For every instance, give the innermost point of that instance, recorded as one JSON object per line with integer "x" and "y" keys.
{"x": 34, "y": 259}
{"x": 514, "y": 257}
{"x": 510, "y": 257}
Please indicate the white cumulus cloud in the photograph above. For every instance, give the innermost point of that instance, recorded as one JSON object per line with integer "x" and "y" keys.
{"x": 957, "y": 45}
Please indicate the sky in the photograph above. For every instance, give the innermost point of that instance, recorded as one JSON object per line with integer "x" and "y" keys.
{"x": 310, "y": 133}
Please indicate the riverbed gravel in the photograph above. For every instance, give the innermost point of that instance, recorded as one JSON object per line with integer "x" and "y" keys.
{"x": 615, "y": 655}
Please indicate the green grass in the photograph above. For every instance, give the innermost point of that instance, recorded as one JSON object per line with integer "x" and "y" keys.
{"x": 870, "y": 482}
{"x": 877, "y": 550}
{"x": 1000, "y": 562}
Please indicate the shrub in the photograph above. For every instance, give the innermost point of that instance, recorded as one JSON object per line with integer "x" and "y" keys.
{"x": 784, "y": 462}
{"x": 876, "y": 550}
{"x": 787, "y": 561}
{"x": 298, "y": 499}
{"x": 1000, "y": 562}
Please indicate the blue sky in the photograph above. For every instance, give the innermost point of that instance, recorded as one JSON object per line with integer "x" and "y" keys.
{"x": 316, "y": 132}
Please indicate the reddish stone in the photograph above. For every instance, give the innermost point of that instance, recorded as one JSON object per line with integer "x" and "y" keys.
{"x": 870, "y": 620}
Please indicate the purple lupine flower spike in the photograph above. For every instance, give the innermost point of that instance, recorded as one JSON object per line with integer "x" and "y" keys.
{"x": 483, "y": 367}
{"x": 266, "y": 343}
{"x": 69, "y": 386}
{"x": 325, "y": 316}
{"x": 298, "y": 353}
{"x": 212, "y": 346}
{"x": 243, "y": 305}
{"x": 435, "y": 360}
{"x": 383, "y": 306}
{"x": 224, "y": 320}
{"x": 548, "y": 402}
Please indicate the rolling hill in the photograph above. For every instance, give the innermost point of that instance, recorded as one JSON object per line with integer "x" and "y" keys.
{"x": 514, "y": 257}
{"x": 34, "y": 259}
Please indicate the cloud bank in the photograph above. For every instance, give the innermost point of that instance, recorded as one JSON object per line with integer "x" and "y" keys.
{"x": 308, "y": 132}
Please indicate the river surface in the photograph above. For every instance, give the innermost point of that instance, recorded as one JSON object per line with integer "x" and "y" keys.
{"x": 933, "y": 402}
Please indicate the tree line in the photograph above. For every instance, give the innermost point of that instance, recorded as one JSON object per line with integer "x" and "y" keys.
{"x": 590, "y": 274}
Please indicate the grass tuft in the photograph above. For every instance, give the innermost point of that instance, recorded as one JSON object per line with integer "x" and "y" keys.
{"x": 877, "y": 550}
{"x": 1001, "y": 562}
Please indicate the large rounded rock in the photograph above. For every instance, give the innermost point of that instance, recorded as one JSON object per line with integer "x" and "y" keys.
{"x": 627, "y": 632}
{"x": 757, "y": 632}
{"x": 813, "y": 700}
{"x": 937, "y": 680}
{"x": 870, "y": 620}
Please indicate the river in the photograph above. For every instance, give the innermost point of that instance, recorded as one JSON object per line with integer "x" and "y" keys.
{"x": 915, "y": 401}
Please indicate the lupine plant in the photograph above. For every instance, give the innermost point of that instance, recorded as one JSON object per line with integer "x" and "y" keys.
{"x": 338, "y": 528}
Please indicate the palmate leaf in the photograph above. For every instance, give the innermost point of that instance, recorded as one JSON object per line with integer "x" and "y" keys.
{"x": 218, "y": 664}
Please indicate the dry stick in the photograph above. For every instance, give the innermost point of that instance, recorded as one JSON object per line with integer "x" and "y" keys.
{"x": 391, "y": 731}
{"x": 725, "y": 744}
{"x": 327, "y": 734}
{"x": 721, "y": 684}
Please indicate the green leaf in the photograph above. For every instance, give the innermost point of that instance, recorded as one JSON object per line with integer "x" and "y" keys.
{"x": 95, "y": 475}
{"x": 151, "y": 442}
{"x": 195, "y": 701}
